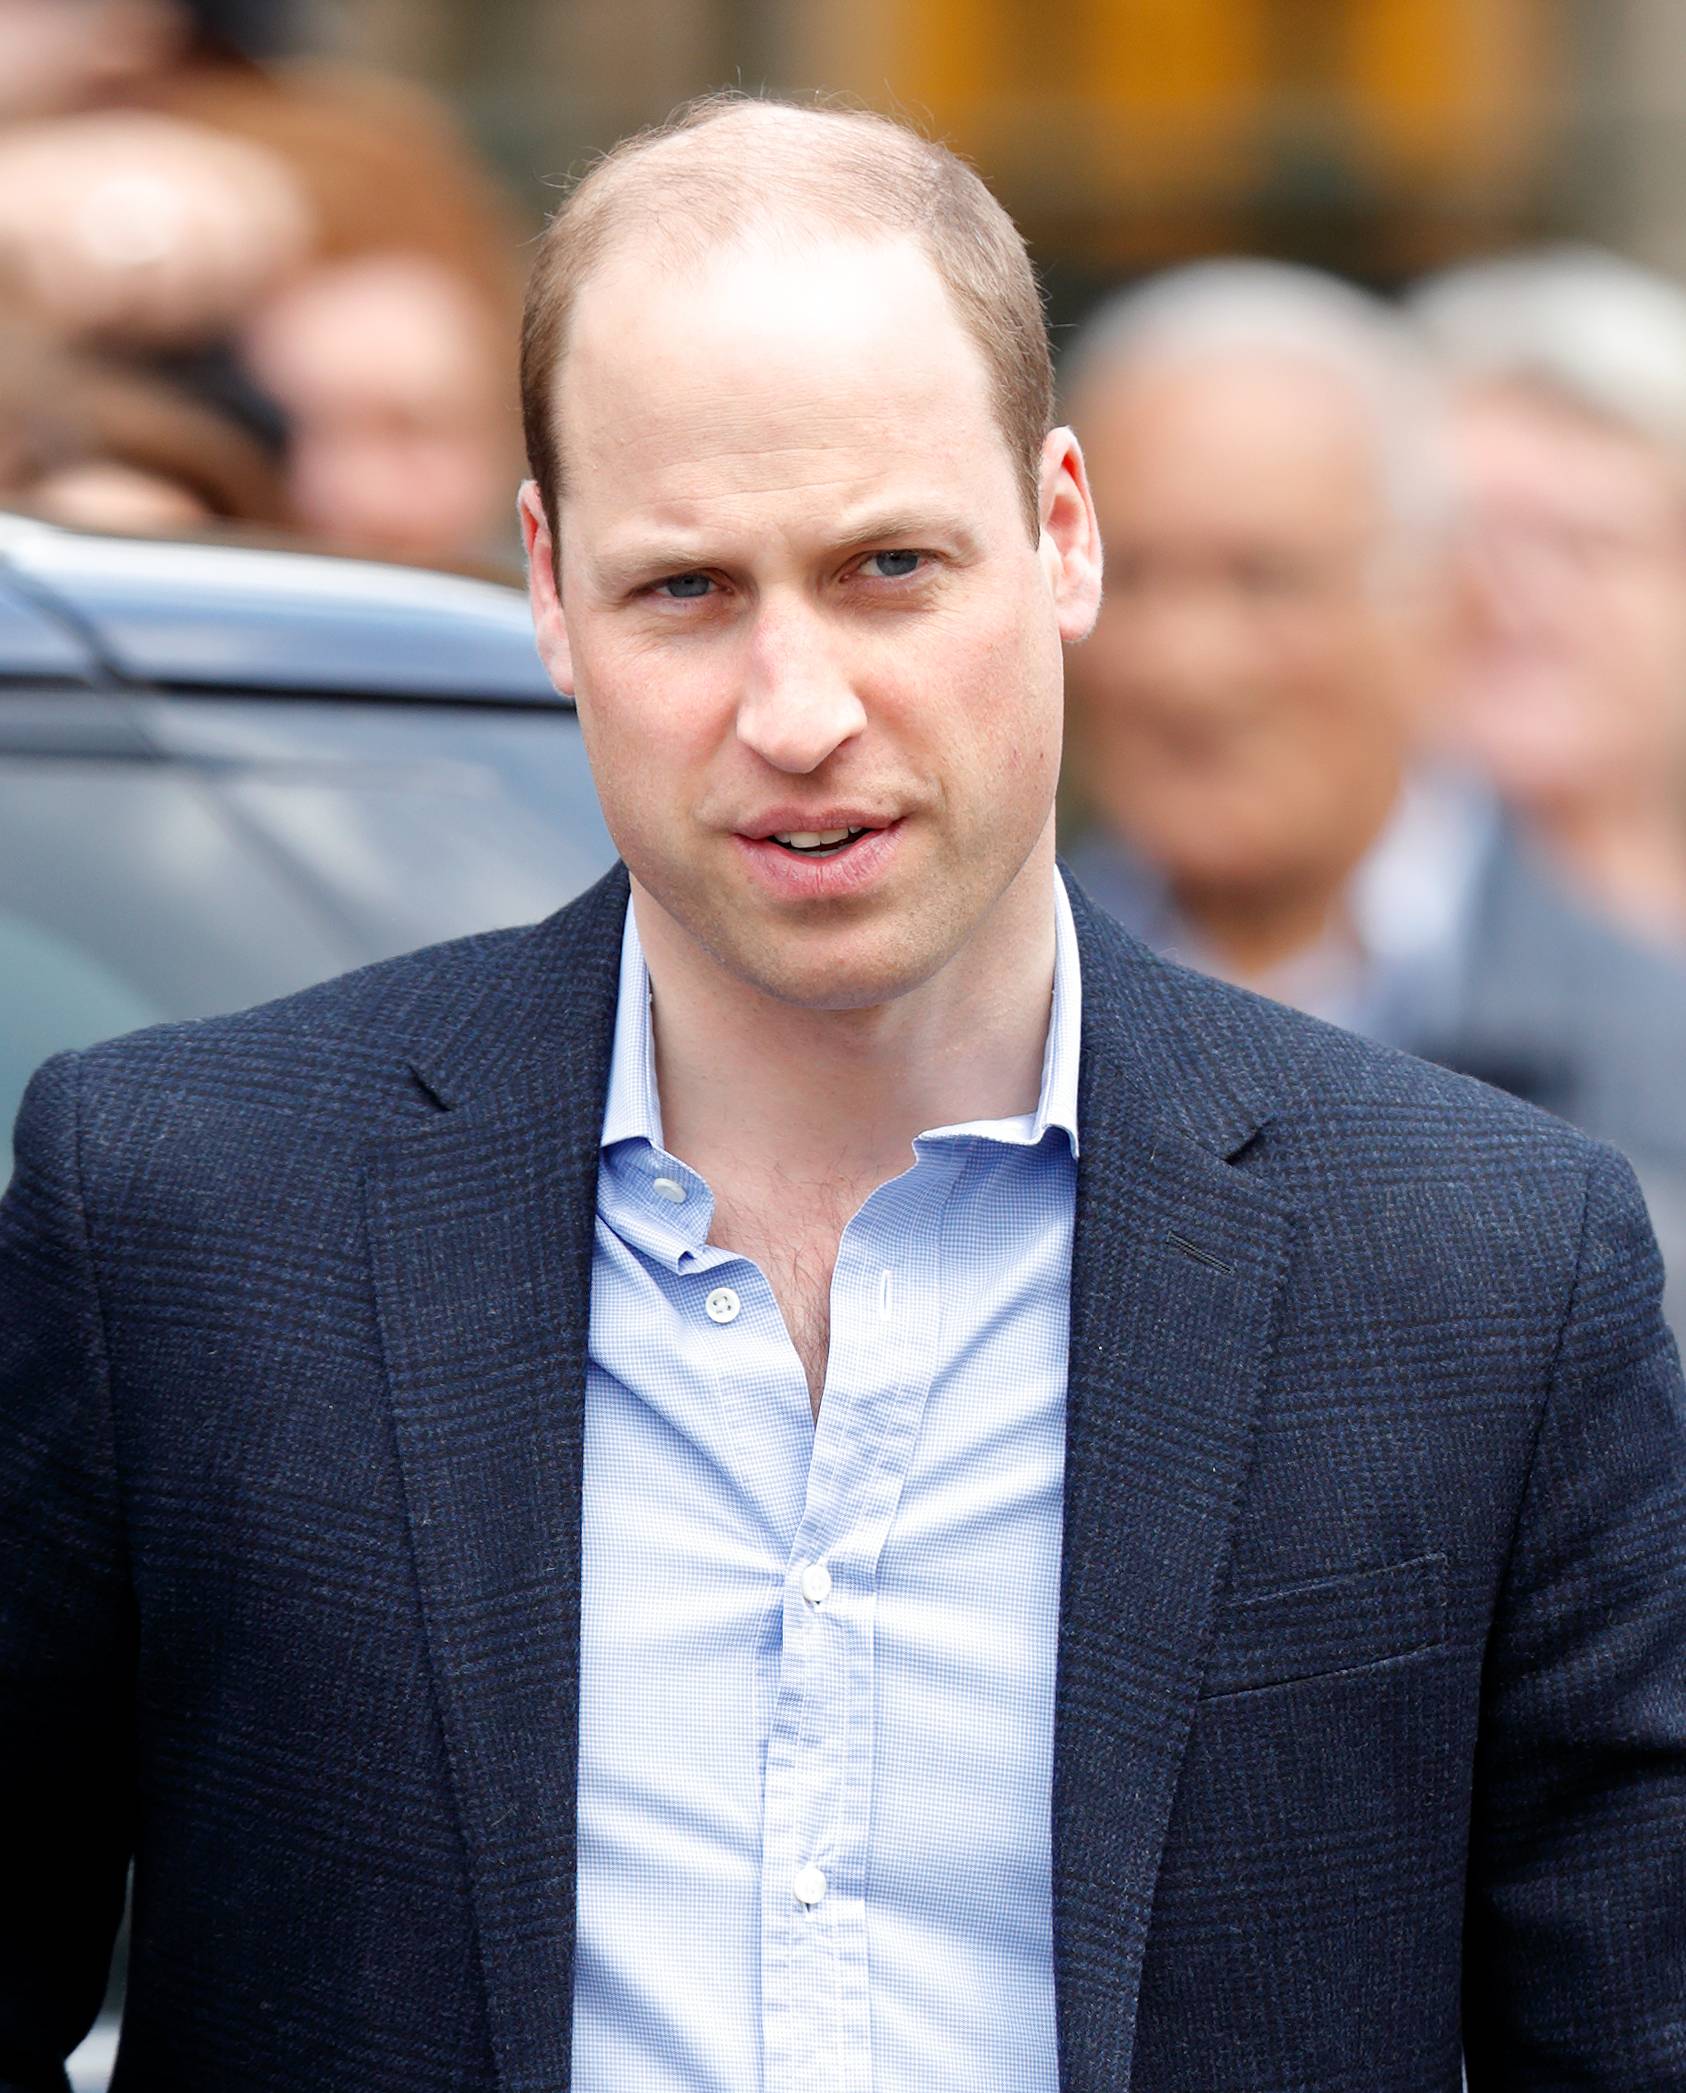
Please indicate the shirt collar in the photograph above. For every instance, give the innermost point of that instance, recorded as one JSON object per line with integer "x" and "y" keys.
{"x": 632, "y": 1107}
{"x": 632, "y": 1110}
{"x": 1057, "y": 1104}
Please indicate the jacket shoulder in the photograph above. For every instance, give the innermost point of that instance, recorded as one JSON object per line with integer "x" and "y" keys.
{"x": 1425, "y": 1193}
{"x": 1234, "y": 1066}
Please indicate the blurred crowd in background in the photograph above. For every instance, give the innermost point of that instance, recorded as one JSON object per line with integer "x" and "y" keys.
{"x": 1386, "y": 713}
{"x": 241, "y": 289}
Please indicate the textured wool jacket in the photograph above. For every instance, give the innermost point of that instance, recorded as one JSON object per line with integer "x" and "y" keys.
{"x": 1370, "y": 1743}
{"x": 1542, "y": 998}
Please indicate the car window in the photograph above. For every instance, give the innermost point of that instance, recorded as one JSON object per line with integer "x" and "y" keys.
{"x": 415, "y": 822}
{"x": 57, "y": 994}
{"x": 127, "y": 896}
{"x": 266, "y": 844}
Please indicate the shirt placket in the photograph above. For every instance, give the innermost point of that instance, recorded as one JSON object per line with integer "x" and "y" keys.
{"x": 885, "y": 1332}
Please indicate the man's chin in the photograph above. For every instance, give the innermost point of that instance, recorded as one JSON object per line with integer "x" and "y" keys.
{"x": 849, "y": 959}
{"x": 831, "y": 974}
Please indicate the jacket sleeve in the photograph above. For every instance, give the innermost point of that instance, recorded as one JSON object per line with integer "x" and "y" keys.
{"x": 66, "y": 1620}
{"x": 1575, "y": 1941}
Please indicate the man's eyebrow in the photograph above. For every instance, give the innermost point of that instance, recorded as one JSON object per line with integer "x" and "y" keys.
{"x": 679, "y": 551}
{"x": 905, "y": 529}
{"x": 634, "y": 559}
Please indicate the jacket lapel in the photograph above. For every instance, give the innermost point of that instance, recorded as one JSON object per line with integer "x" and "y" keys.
{"x": 481, "y": 1223}
{"x": 1177, "y": 1260}
{"x": 481, "y": 1220}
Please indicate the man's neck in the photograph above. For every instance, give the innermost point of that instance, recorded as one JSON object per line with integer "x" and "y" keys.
{"x": 764, "y": 1090}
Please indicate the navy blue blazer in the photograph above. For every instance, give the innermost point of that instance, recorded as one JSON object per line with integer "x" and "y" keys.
{"x": 1371, "y": 1719}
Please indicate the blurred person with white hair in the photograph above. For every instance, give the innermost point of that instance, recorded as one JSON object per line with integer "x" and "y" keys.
{"x": 1569, "y": 375}
{"x": 1267, "y": 450}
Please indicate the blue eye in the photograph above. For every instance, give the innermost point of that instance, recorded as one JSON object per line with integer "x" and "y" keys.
{"x": 894, "y": 566}
{"x": 684, "y": 588}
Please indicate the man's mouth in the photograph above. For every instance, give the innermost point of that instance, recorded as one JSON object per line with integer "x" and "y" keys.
{"x": 863, "y": 839}
{"x": 816, "y": 843}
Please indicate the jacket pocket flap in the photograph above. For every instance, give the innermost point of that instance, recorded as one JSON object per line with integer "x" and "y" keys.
{"x": 1299, "y": 1631}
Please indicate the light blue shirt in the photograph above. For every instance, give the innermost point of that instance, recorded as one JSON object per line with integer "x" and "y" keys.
{"x": 817, "y": 1662}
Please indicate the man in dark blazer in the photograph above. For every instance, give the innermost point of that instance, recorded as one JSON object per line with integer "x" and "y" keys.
{"x": 343, "y": 1371}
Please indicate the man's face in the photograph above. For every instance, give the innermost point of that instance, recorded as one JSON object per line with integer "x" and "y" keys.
{"x": 1573, "y": 665}
{"x": 1239, "y": 710}
{"x": 799, "y": 596}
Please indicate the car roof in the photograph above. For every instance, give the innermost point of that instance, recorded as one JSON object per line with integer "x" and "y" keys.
{"x": 248, "y": 618}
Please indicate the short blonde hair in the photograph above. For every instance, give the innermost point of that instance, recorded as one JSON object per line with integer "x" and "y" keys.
{"x": 728, "y": 164}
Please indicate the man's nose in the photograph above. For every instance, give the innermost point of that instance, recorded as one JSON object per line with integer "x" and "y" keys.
{"x": 797, "y": 704}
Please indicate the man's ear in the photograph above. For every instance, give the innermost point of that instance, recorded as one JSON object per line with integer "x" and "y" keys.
{"x": 1070, "y": 546}
{"x": 550, "y": 627}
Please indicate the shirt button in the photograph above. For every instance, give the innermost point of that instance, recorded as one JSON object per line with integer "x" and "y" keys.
{"x": 722, "y": 1305}
{"x": 669, "y": 1188}
{"x": 816, "y": 1583}
{"x": 809, "y": 1885}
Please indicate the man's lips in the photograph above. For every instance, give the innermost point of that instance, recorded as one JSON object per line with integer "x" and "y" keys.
{"x": 788, "y": 821}
{"x": 815, "y": 875}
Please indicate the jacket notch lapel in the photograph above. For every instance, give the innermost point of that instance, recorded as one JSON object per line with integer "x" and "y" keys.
{"x": 481, "y": 1220}
{"x": 1178, "y": 1259}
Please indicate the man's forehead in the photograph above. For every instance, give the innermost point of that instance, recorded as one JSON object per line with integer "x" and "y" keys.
{"x": 743, "y": 316}
{"x": 651, "y": 261}
{"x": 765, "y": 364}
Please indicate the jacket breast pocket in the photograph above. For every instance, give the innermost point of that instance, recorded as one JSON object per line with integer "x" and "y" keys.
{"x": 1327, "y": 1625}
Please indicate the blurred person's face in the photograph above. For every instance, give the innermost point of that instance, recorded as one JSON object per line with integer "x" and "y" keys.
{"x": 59, "y": 55}
{"x": 798, "y": 596}
{"x": 1572, "y": 669}
{"x": 1241, "y": 711}
{"x": 398, "y": 441}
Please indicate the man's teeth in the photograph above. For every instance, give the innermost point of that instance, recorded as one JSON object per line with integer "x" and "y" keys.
{"x": 815, "y": 838}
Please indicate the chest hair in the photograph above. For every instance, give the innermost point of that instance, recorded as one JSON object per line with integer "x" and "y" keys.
{"x": 792, "y": 1234}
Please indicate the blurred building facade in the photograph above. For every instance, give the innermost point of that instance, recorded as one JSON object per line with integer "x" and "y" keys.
{"x": 1379, "y": 137}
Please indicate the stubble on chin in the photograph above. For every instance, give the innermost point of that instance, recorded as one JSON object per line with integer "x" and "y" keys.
{"x": 839, "y": 956}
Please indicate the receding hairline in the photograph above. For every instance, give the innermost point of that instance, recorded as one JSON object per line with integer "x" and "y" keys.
{"x": 773, "y": 235}
{"x": 749, "y": 164}
{"x": 729, "y": 168}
